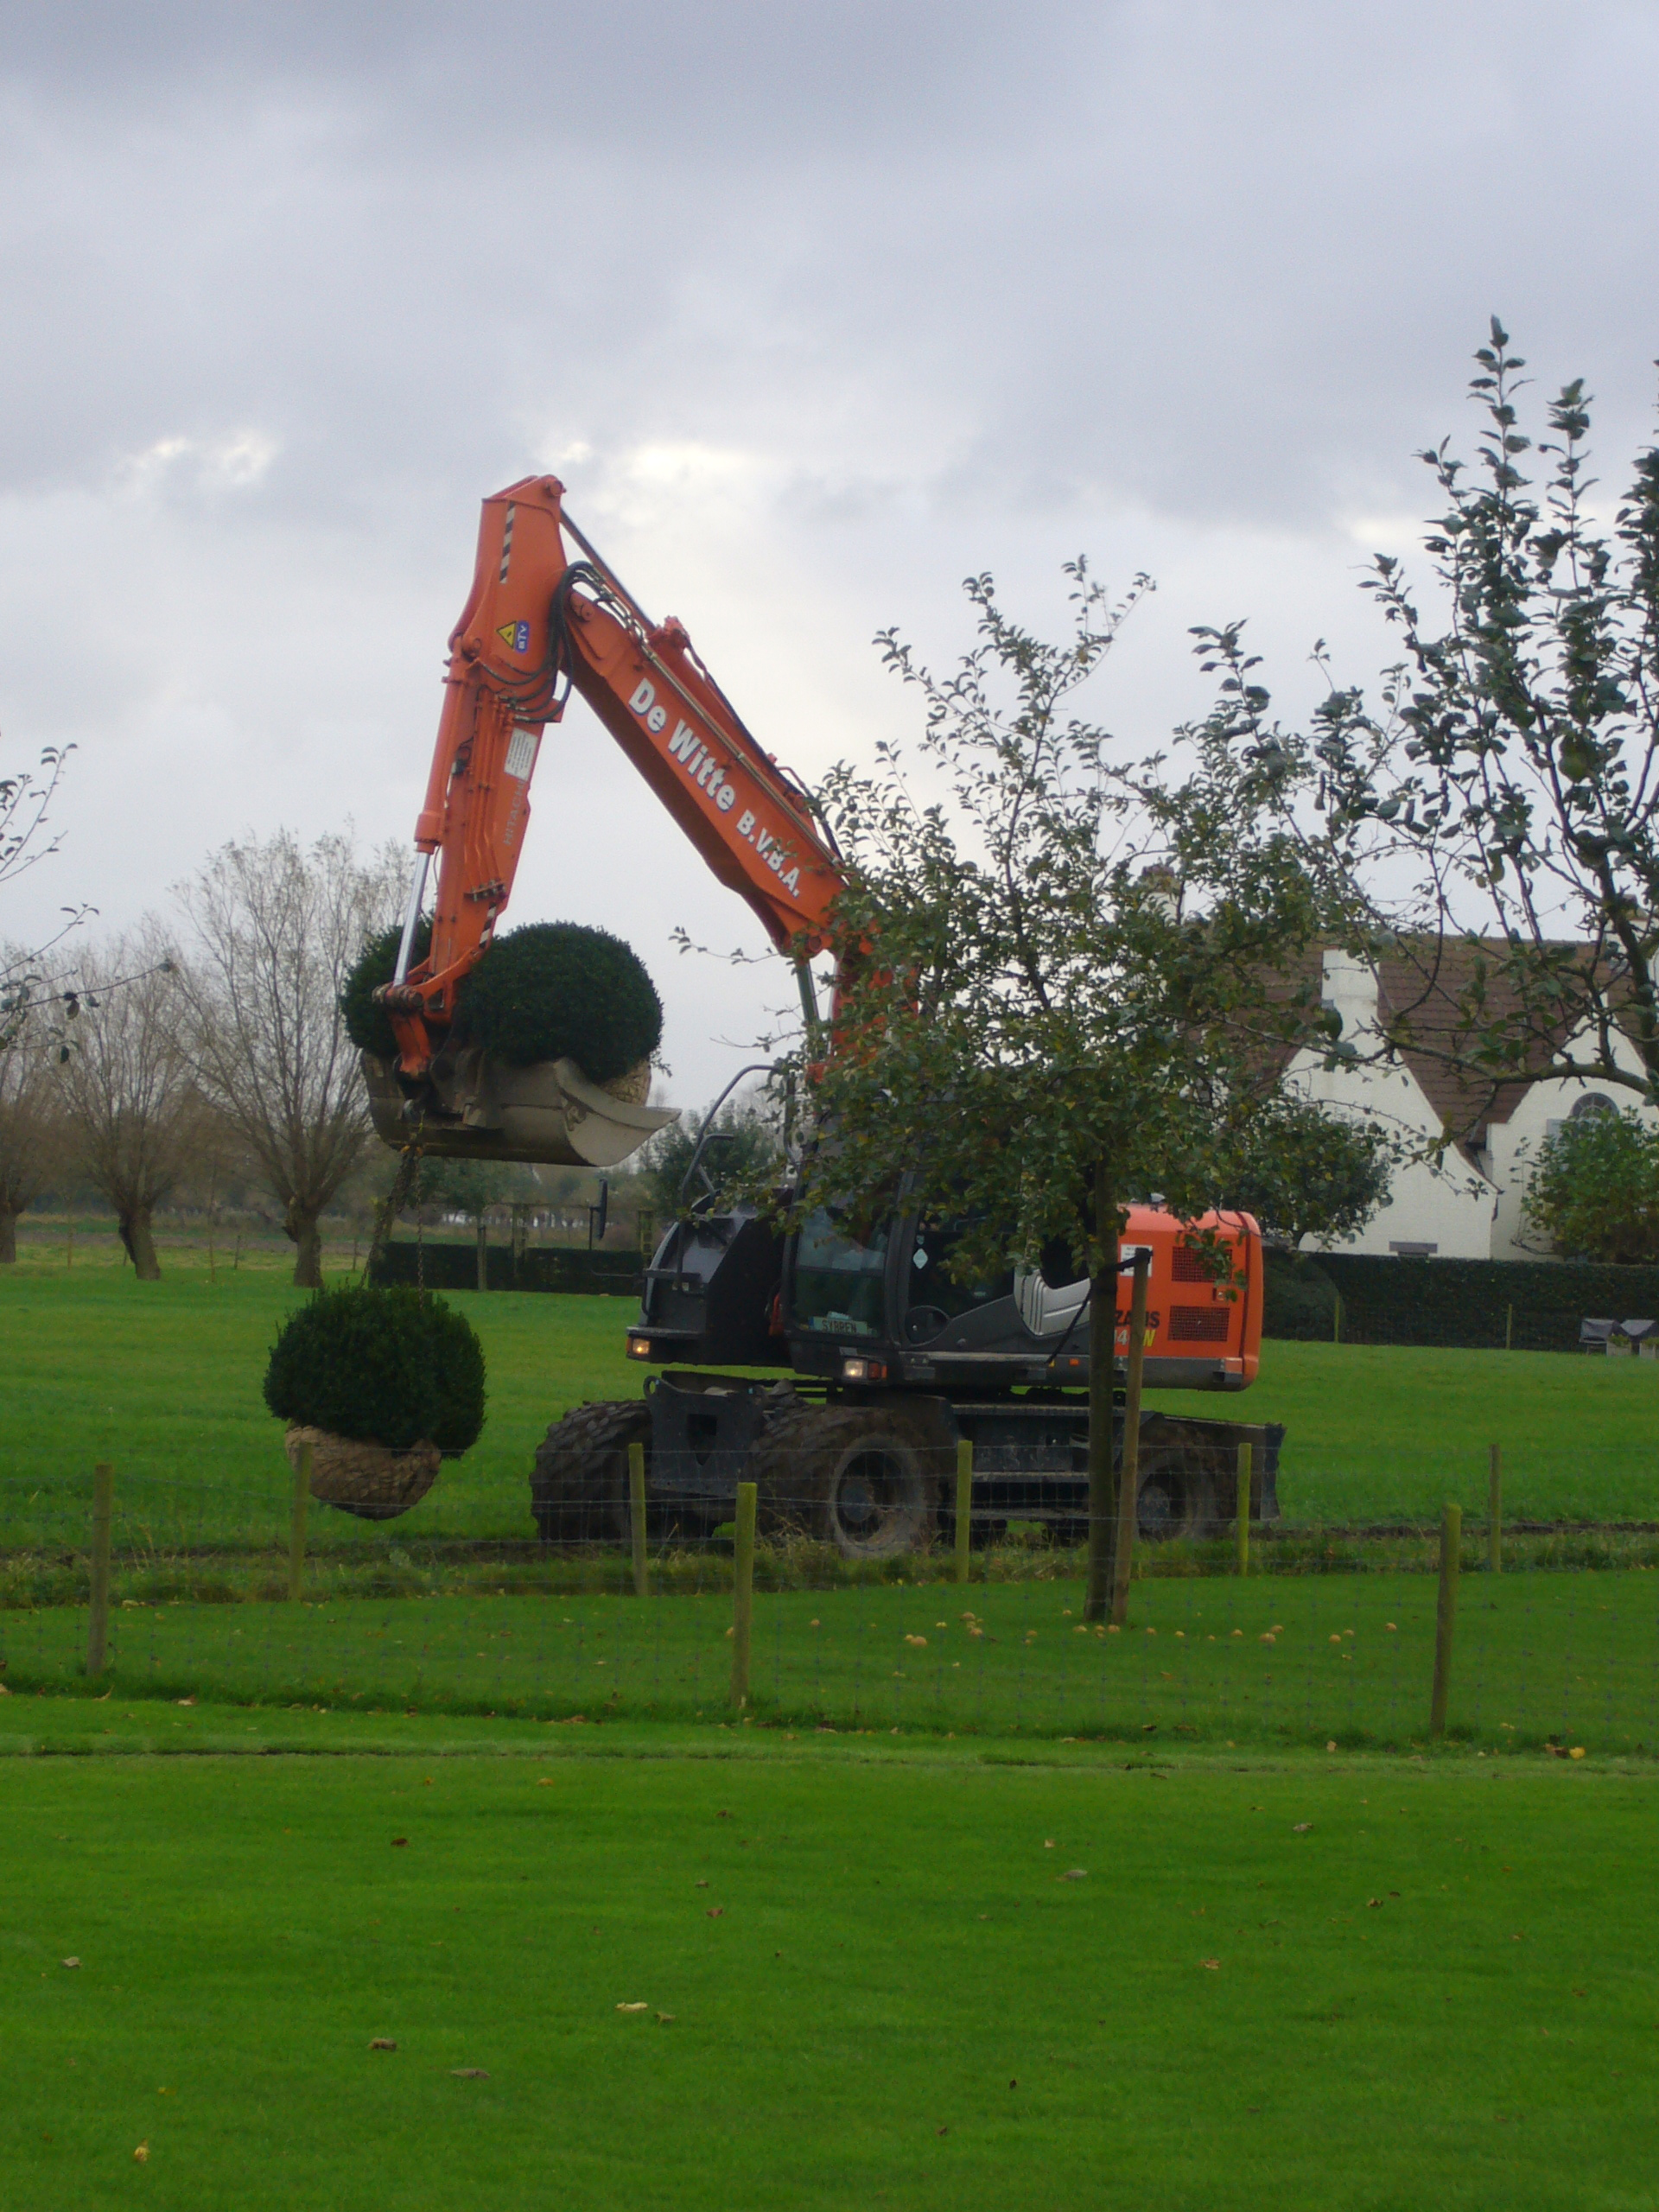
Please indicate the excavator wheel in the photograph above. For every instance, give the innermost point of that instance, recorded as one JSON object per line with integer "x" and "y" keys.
{"x": 848, "y": 1476}
{"x": 579, "y": 1487}
{"x": 1179, "y": 1488}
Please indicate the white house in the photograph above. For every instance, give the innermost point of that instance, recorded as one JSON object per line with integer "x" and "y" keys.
{"x": 1470, "y": 1207}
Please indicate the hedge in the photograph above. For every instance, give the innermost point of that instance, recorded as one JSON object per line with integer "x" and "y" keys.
{"x": 1533, "y": 1305}
{"x": 367, "y": 1023}
{"x": 454, "y": 1267}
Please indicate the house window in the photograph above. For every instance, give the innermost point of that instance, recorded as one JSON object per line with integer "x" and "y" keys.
{"x": 1592, "y": 1102}
{"x": 1409, "y": 1251}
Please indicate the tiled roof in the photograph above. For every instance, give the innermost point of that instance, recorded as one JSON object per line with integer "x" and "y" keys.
{"x": 1439, "y": 997}
{"x": 1436, "y": 997}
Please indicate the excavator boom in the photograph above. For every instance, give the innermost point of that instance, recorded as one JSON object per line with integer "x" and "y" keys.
{"x": 537, "y": 625}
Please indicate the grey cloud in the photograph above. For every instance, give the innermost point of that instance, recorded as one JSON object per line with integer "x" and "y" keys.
{"x": 815, "y": 308}
{"x": 721, "y": 84}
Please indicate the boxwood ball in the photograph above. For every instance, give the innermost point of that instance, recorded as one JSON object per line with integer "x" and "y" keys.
{"x": 369, "y": 1024}
{"x": 556, "y": 990}
{"x": 382, "y": 1366}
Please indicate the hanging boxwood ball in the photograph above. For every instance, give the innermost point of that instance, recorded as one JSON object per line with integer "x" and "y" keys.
{"x": 385, "y": 1367}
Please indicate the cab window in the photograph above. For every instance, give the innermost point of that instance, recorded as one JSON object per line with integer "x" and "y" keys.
{"x": 840, "y": 1279}
{"x": 935, "y": 1291}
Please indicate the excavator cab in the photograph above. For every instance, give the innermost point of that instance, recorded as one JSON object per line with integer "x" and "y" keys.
{"x": 850, "y": 1307}
{"x": 891, "y": 1306}
{"x": 860, "y": 1307}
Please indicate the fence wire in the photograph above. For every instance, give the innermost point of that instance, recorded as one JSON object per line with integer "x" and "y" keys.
{"x": 858, "y": 1623}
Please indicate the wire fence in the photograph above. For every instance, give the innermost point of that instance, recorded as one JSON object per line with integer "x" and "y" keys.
{"x": 860, "y": 1621}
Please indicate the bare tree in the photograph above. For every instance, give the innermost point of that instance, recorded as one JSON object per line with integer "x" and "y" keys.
{"x": 26, "y": 798}
{"x": 275, "y": 929}
{"x": 131, "y": 1105}
{"x": 31, "y": 1120}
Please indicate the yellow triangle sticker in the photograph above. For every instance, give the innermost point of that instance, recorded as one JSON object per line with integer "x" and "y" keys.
{"x": 515, "y": 636}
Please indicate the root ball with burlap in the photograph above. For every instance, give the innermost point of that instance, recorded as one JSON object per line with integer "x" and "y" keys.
{"x": 383, "y": 1384}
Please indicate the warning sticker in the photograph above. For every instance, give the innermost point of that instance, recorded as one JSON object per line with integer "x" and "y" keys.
{"x": 515, "y": 636}
{"x": 521, "y": 752}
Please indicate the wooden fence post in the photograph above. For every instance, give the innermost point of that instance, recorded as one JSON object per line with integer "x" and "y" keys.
{"x": 1129, "y": 1474}
{"x": 1445, "y": 1615}
{"x": 1336, "y": 1317}
{"x": 637, "y": 1517}
{"x": 98, "y": 1613}
{"x": 965, "y": 1504}
{"x": 1494, "y": 1509}
{"x": 1508, "y": 1328}
{"x": 1242, "y": 1508}
{"x": 742, "y": 1596}
{"x": 296, "y": 1527}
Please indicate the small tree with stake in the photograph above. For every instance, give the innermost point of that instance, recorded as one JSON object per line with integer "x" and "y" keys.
{"x": 1068, "y": 972}
{"x": 469, "y": 1187}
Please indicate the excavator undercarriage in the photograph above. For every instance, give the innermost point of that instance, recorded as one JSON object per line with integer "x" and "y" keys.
{"x": 875, "y": 1475}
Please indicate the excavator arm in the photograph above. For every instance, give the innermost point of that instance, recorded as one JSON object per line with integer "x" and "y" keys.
{"x": 537, "y": 625}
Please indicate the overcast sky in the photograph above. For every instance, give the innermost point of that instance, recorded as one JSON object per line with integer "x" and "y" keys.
{"x": 815, "y": 309}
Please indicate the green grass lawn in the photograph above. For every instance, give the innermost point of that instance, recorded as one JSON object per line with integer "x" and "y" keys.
{"x": 1378, "y": 1431}
{"x": 163, "y": 1379}
{"x": 865, "y": 1975}
{"x": 1304, "y": 1659}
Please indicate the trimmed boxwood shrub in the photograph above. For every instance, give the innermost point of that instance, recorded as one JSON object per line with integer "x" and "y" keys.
{"x": 367, "y": 1024}
{"x": 382, "y": 1366}
{"x": 554, "y": 990}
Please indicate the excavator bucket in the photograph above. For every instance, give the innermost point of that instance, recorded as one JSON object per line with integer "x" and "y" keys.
{"x": 481, "y": 1108}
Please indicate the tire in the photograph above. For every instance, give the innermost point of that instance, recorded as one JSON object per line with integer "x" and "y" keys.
{"x": 578, "y": 1486}
{"x": 1177, "y": 1496}
{"x": 850, "y": 1477}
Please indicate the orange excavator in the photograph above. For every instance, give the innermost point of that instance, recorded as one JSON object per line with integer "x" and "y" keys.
{"x": 873, "y": 1360}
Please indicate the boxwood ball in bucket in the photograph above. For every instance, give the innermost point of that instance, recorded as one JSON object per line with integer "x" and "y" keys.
{"x": 557, "y": 990}
{"x": 383, "y": 1384}
{"x": 367, "y": 1023}
{"x": 549, "y": 991}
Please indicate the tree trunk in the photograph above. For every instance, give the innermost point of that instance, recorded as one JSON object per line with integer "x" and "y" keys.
{"x": 8, "y": 1239}
{"x": 483, "y": 1254}
{"x": 386, "y": 1213}
{"x": 301, "y": 1226}
{"x": 139, "y": 1237}
{"x": 1103, "y": 1380}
